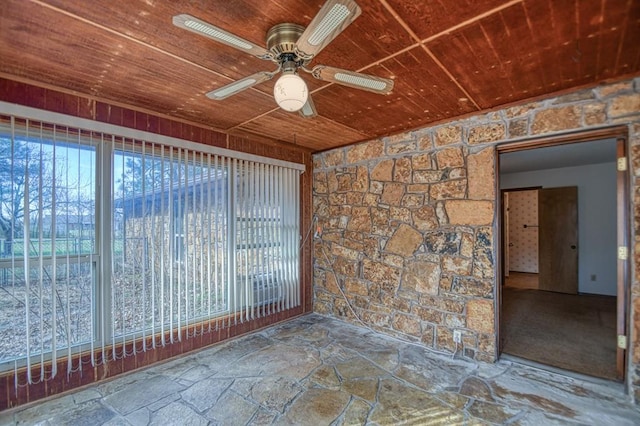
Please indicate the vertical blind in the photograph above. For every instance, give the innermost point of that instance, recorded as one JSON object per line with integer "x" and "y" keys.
{"x": 118, "y": 245}
{"x": 47, "y": 244}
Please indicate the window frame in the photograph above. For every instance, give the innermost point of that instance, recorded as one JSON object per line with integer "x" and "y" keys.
{"x": 75, "y": 138}
{"x": 103, "y": 338}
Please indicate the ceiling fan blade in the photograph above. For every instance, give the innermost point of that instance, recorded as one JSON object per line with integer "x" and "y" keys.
{"x": 308, "y": 109}
{"x": 353, "y": 79}
{"x": 203, "y": 28}
{"x": 240, "y": 85}
{"x": 332, "y": 19}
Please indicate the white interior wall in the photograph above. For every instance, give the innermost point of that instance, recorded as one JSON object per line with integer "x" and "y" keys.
{"x": 596, "y": 218}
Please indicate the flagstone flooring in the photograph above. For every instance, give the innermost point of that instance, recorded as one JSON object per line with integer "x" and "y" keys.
{"x": 320, "y": 371}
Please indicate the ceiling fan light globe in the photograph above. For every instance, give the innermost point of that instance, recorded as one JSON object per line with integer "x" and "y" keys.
{"x": 290, "y": 92}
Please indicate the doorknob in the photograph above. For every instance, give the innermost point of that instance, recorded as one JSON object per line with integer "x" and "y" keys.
{"x": 573, "y": 246}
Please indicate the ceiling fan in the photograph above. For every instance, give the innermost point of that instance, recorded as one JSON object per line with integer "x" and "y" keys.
{"x": 291, "y": 47}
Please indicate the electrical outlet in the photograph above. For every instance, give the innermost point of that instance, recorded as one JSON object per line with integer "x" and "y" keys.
{"x": 593, "y": 277}
{"x": 457, "y": 336}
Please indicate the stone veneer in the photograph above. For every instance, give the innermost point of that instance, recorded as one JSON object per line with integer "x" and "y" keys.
{"x": 408, "y": 222}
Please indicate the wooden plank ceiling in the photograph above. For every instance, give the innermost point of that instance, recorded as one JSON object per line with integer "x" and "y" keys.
{"x": 448, "y": 58}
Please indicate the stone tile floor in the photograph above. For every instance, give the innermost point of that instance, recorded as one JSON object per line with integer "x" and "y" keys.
{"x": 320, "y": 371}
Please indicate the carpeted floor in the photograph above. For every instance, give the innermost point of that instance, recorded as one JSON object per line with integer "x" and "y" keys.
{"x": 572, "y": 332}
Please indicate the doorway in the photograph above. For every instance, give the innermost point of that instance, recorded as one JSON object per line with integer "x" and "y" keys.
{"x": 560, "y": 287}
{"x": 541, "y": 236}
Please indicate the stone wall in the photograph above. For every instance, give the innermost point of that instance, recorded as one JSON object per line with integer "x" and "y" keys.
{"x": 409, "y": 222}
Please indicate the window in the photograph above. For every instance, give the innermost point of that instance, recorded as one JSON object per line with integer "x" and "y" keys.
{"x": 169, "y": 238}
{"x": 47, "y": 240}
{"x": 266, "y": 237}
{"x": 106, "y": 238}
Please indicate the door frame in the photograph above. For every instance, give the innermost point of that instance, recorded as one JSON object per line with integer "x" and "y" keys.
{"x": 621, "y": 135}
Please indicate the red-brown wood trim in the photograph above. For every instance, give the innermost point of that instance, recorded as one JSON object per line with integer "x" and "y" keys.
{"x": 567, "y": 138}
{"x": 622, "y": 180}
{"x": 306, "y": 235}
{"x": 500, "y": 259}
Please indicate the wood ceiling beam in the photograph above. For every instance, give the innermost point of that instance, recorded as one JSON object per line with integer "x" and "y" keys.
{"x": 422, "y": 42}
{"x": 470, "y": 21}
{"x": 624, "y": 30}
{"x": 135, "y": 40}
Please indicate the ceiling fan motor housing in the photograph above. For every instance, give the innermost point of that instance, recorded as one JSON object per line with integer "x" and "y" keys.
{"x": 281, "y": 41}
